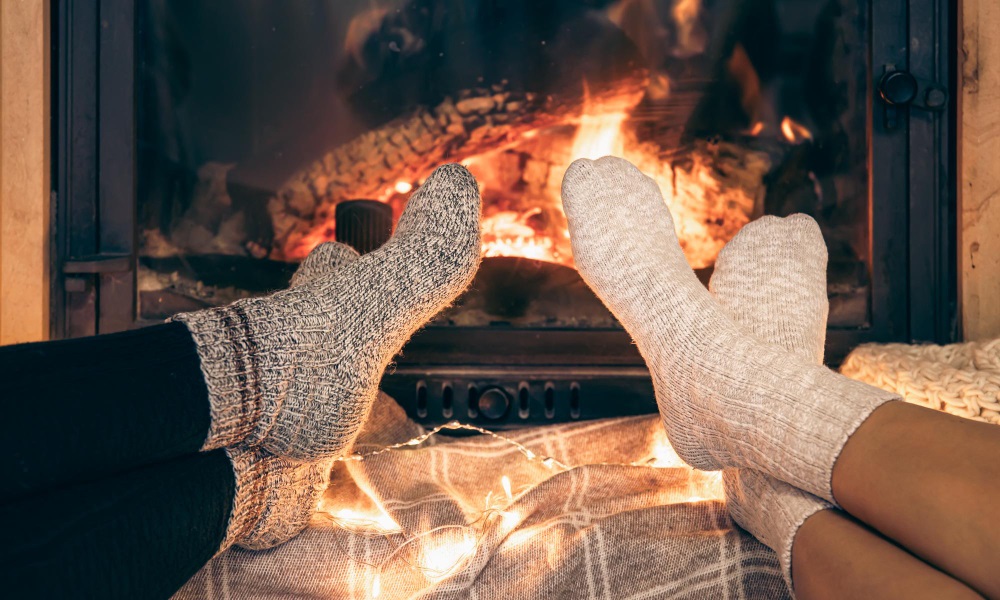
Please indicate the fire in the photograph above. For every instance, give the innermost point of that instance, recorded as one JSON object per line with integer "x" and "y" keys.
{"x": 508, "y": 233}
{"x": 794, "y": 132}
{"x": 525, "y": 218}
{"x": 520, "y": 183}
{"x": 599, "y": 135}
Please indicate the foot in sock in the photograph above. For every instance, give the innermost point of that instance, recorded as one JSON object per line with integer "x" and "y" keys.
{"x": 275, "y": 497}
{"x": 771, "y": 278}
{"x": 297, "y": 371}
{"x": 726, "y": 398}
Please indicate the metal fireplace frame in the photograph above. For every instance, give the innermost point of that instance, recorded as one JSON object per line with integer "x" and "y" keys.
{"x": 912, "y": 225}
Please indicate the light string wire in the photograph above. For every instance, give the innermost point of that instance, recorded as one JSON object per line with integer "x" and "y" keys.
{"x": 479, "y": 525}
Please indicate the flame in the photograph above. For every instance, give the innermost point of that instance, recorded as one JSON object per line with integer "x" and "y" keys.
{"x": 507, "y": 233}
{"x": 690, "y": 36}
{"x": 757, "y": 128}
{"x": 505, "y": 482}
{"x": 599, "y": 135}
{"x": 794, "y": 132}
{"x": 520, "y": 186}
{"x": 443, "y": 554}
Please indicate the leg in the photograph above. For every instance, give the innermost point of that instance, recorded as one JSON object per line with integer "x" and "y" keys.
{"x": 930, "y": 481}
{"x": 137, "y": 535}
{"x": 83, "y": 409}
{"x": 728, "y": 400}
{"x": 295, "y": 372}
{"x": 837, "y": 558}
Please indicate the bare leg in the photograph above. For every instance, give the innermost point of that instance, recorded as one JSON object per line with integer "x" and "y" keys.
{"x": 835, "y": 557}
{"x": 930, "y": 481}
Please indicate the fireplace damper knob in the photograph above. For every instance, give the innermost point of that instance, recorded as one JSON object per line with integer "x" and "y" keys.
{"x": 363, "y": 224}
{"x": 898, "y": 87}
{"x": 494, "y": 403}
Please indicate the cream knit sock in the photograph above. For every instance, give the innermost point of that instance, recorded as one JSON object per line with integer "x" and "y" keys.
{"x": 296, "y": 372}
{"x": 275, "y": 497}
{"x": 771, "y": 278}
{"x": 727, "y": 400}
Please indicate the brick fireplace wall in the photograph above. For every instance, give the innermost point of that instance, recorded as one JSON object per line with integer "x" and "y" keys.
{"x": 24, "y": 170}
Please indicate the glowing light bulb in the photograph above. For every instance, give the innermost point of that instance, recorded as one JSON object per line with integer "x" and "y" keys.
{"x": 443, "y": 554}
{"x": 380, "y": 521}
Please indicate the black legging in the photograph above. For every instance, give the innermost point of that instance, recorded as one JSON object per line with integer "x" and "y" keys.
{"x": 102, "y": 488}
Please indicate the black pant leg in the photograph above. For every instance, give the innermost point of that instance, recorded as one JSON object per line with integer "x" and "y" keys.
{"x": 77, "y": 410}
{"x": 140, "y": 534}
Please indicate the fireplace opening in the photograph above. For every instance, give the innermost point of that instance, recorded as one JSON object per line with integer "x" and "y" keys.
{"x": 252, "y": 135}
{"x": 215, "y": 143}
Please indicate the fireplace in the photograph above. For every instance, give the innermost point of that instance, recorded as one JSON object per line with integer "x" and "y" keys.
{"x": 215, "y": 144}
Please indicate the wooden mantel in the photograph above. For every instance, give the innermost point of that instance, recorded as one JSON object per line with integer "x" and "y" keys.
{"x": 24, "y": 170}
{"x": 979, "y": 168}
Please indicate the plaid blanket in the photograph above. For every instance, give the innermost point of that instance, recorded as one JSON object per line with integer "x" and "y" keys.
{"x": 597, "y": 509}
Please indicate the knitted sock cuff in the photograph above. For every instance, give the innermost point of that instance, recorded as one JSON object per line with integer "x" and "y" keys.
{"x": 251, "y": 469}
{"x": 230, "y": 358}
{"x": 866, "y": 399}
{"x": 771, "y": 510}
{"x": 820, "y": 411}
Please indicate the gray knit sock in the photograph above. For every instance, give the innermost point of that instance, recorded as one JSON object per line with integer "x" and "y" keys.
{"x": 296, "y": 372}
{"x": 275, "y": 497}
{"x": 771, "y": 278}
{"x": 727, "y": 399}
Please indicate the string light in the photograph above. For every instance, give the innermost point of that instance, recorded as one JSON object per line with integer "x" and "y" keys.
{"x": 443, "y": 550}
{"x": 547, "y": 461}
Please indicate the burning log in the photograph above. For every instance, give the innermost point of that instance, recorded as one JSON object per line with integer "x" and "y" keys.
{"x": 403, "y": 151}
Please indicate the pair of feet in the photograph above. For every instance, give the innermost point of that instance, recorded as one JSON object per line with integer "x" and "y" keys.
{"x": 738, "y": 377}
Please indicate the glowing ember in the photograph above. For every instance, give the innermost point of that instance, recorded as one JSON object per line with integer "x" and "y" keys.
{"x": 794, "y": 132}
{"x": 443, "y": 553}
{"x": 403, "y": 187}
{"x": 507, "y": 233}
{"x": 757, "y": 128}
